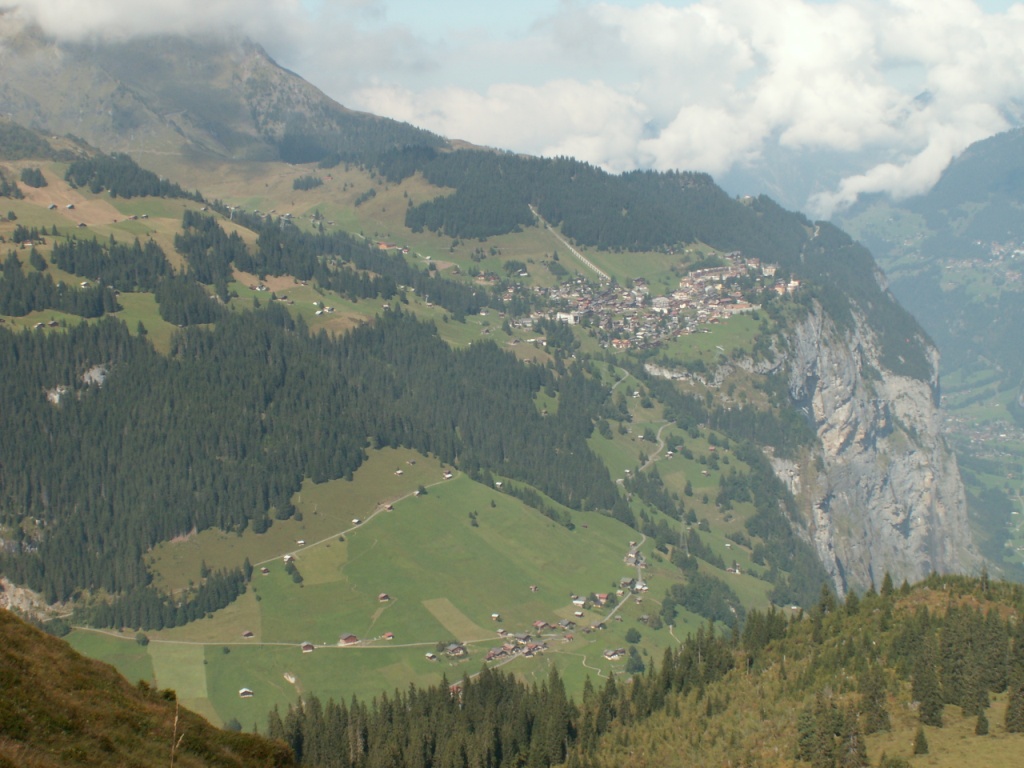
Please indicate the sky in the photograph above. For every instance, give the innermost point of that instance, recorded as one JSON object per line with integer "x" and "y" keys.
{"x": 889, "y": 90}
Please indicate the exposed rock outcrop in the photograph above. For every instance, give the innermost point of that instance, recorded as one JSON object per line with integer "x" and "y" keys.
{"x": 890, "y": 497}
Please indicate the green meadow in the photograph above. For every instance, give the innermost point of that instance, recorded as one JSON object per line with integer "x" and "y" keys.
{"x": 447, "y": 560}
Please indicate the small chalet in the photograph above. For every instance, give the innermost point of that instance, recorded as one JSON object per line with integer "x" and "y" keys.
{"x": 431, "y": 657}
{"x": 264, "y": 570}
{"x": 247, "y": 634}
{"x": 456, "y": 650}
{"x": 383, "y": 597}
{"x": 389, "y": 635}
{"x": 245, "y": 693}
{"x": 348, "y": 640}
{"x": 614, "y": 654}
{"x": 307, "y": 647}
{"x": 602, "y": 597}
{"x": 495, "y": 617}
{"x": 540, "y": 624}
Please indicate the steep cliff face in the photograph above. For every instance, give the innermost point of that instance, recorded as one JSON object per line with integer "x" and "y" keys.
{"x": 889, "y": 497}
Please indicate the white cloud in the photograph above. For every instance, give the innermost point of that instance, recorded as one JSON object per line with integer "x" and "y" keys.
{"x": 705, "y": 85}
{"x": 695, "y": 84}
{"x": 119, "y": 19}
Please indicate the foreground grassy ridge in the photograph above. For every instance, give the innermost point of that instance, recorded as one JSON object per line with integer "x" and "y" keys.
{"x": 59, "y": 708}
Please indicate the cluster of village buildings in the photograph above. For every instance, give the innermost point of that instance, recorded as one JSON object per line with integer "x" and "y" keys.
{"x": 630, "y": 317}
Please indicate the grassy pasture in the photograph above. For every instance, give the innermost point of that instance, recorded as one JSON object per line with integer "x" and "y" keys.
{"x": 714, "y": 341}
{"x": 655, "y": 267}
{"x": 131, "y": 659}
{"x": 327, "y": 511}
{"x": 142, "y": 307}
{"x": 444, "y": 576}
{"x": 336, "y": 673}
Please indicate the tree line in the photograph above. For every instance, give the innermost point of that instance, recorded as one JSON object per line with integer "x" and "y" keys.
{"x": 121, "y": 176}
{"x": 22, "y": 293}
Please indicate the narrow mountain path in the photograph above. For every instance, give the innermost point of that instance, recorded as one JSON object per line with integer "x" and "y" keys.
{"x": 661, "y": 446}
{"x": 382, "y": 507}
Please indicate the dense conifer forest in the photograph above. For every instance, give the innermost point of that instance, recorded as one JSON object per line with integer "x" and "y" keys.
{"x": 134, "y": 267}
{"x": 221, "y": 433}
{"x": 121, "y": 176}
{"x": 21, "y": 292}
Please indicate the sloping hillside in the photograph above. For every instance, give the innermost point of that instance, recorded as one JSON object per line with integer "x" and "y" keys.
{"x": 58, "y": 708}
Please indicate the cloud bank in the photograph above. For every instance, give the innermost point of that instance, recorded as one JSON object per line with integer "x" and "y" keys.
{"x": 703, "y": 85}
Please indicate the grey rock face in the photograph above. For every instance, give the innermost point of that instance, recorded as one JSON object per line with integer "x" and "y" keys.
{"x": 889, "y": 496}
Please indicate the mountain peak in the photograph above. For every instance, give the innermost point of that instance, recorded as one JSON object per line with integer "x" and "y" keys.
{"x": 215, "y": 95}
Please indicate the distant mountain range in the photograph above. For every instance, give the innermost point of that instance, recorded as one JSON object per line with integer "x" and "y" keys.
{"x": 955, "y": 256}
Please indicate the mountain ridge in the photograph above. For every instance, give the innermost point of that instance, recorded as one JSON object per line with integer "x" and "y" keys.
{"x": 211, "y": 95}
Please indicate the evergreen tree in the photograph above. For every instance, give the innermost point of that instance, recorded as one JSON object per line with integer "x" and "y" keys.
{"x": 873, "y": 700}
{"x": 1015, "y": 710}
{"x": 981, "y": 727}
{"x": 852, "y": 751}
{"x": 925, "y": 686}
{"x": 920, "y": 742}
